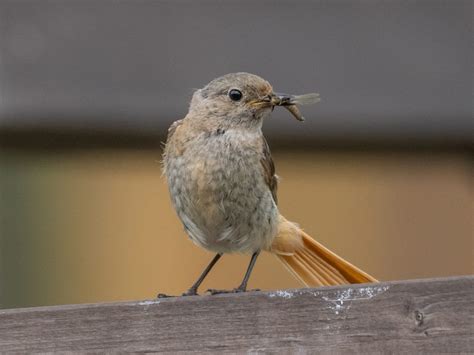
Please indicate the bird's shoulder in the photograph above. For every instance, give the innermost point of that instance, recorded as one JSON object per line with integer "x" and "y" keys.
{"x": 173, "y": 128}
{"x": 173, "y": 146}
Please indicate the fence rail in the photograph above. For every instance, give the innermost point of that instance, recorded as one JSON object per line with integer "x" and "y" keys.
{"x": 429, "y": 316}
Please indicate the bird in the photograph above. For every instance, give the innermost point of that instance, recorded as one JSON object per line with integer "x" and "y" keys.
{"x": 223, "y": 185}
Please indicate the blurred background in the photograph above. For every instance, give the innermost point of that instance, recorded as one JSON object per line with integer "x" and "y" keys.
{"x": 380, "y": 172}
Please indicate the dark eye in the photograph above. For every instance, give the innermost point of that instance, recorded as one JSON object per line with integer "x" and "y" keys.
{"x": 235, "y": 95}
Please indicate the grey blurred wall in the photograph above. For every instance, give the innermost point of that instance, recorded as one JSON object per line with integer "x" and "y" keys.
{"x": 386, "y": 70}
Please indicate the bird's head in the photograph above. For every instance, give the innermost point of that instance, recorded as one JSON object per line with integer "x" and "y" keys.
{"x": 243, "y": 98}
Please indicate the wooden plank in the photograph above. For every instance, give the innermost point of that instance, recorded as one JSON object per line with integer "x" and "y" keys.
{"x": 427, "y": 316}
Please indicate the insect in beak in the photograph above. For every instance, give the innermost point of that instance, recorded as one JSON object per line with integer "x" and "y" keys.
{"x": 290, "y": 101}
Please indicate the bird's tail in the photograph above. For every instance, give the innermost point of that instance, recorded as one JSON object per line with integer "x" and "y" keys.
{"x": 310, "y": 262}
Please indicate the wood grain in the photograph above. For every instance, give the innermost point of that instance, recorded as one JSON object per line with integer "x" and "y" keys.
{"x": 429, "y": 316}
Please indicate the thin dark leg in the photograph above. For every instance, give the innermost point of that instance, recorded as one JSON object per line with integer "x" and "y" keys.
{"x": 193, "y": 289}
{"x": 243, "y": 285}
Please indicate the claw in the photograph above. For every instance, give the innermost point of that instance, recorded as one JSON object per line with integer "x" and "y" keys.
{"x": 218, "y": 292}
{"x": 190, "y": 292}
{"x": 235, "y": 290}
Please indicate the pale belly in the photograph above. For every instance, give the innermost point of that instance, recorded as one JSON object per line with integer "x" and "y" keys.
{"x": 218, "y": 190}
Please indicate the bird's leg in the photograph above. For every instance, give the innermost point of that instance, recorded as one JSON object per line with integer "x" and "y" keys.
{"x": 253, "y": 260}
{"x": 243, "y": 285}
{"x": 192, "y": 291}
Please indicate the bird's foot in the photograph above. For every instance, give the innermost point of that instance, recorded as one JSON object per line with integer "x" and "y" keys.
{"x": 190, "y": 292}
{"x": 235, "y": 290}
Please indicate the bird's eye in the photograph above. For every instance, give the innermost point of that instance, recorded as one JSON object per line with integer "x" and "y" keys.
{"x": 235, "y": 95}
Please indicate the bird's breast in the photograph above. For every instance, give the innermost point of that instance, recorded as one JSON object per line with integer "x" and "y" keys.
{"x": 219, "y": 192}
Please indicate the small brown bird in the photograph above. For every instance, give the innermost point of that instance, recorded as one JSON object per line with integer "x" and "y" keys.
{"x": 222, "y": 182}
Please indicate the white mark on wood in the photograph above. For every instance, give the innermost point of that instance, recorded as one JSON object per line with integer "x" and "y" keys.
{"x": 312, "y": 293}
{"x": 148, "y": 302}
{"x": 282, "y": 294}
{"x": 343, "y": 299}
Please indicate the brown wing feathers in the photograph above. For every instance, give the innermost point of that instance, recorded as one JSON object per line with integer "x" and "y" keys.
{"x": 269, "y": 169}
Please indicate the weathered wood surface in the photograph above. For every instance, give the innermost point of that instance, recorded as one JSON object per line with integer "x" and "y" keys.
{"x": 428, "y": 316}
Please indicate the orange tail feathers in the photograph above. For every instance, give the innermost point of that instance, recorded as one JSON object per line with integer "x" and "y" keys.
{"x": 312, "y": 263}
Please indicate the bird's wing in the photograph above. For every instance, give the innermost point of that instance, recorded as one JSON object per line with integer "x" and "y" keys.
{"x": 269, "y": 169}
